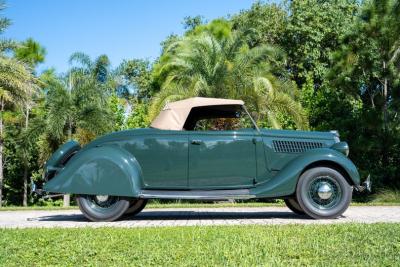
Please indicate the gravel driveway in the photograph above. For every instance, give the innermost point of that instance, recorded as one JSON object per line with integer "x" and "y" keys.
{"x": 194, "y": 216}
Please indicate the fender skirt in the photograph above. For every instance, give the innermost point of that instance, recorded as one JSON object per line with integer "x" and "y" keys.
{"x": 285, "y": 181}
{"x": 104, "y": 170}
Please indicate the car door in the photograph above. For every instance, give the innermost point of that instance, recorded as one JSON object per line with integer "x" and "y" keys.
{"x": 163, "y": 158}
{"x": 222, "y": 159}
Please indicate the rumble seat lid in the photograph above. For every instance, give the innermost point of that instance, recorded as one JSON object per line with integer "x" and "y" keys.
{"x": 174, "y": 114}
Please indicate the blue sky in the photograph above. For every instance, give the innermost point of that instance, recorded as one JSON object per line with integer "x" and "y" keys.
{"x": 122, "y": 29}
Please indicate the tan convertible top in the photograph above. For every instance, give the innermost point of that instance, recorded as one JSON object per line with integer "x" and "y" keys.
{"x": 174, "y": 114}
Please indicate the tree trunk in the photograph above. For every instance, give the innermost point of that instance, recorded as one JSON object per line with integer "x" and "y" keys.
{"x": 385, "y": 150}
{"x": 1, "y": 151}
{"x": 371, "y": 97}
{"x": 26, "y": 164}
{"x": 385, "y": 98}
{"x": 67, "y": 198}
{"x": 25, "y": 196}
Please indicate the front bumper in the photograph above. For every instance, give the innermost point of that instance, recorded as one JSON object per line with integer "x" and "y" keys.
{"x": 36, "y": 190}
{"x": 365, "y": 186}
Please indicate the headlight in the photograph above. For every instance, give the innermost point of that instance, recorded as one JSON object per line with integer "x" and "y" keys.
{"x": 336, "y": 136}
{"x": 342, "y": 147}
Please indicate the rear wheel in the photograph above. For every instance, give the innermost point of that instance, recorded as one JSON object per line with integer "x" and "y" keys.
{"x": 136, "y": 206}
{"x": 294, "y": 206}
{"x": 102, "y": 208}
{"x": 323, "y": 193}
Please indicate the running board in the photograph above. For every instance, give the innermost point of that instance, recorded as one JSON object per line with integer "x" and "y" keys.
{"x": 197, "y": 194}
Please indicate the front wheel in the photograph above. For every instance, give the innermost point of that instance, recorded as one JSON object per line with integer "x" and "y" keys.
{"x": 323, "y": 193}
{"x": 102, "y": 208}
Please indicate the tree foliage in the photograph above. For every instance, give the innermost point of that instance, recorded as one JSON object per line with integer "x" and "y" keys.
{"x": 16, "y": 86}
{"x": 77, "y": 103}
{"x": 267, "y": 23}
{"x": 214, "y": 61}
{"x": 30, "y": 52}
{"x": 368, "y": 68}
{"x": 313, "y": 32}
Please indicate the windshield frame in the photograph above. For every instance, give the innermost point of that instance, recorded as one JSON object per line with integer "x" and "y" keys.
{"x": 251, "y": 118}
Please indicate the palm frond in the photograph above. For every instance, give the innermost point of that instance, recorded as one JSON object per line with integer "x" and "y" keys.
{"x": 7, "y": 45}
{"x": 81, "y": 59}
{"x": 16, "y": 80}
{"x": 282, "y": 103}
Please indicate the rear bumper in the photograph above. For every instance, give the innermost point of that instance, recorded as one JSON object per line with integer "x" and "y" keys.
{"x": 41, "y": 193}
{"x": 365, "y": 186}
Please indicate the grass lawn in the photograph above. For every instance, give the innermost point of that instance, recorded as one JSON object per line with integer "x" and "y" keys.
{"x": 321, "y": 245}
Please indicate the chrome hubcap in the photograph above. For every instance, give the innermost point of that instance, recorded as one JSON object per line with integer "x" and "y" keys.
{"x": 101, "y": 198}
{"x": 324, "y": 190}
{"x": 101, "y": 202}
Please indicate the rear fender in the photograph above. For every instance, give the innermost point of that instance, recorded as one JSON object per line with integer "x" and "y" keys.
{"x": 285, "y": 181}
{"x": 104, "y": 170}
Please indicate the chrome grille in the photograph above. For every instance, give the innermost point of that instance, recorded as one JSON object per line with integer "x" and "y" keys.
{"x": 294, "y": 146}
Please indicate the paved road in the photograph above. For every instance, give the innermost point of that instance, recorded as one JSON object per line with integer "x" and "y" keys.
{"x": 193, "y": 216}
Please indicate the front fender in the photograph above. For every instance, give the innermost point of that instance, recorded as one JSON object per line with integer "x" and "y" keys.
{"x": 104, "y": 170}
{"x": 285, "y": 181}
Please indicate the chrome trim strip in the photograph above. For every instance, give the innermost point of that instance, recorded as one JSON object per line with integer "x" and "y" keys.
{"x": 197, "y": 194}
{"x": 251, "y": 118}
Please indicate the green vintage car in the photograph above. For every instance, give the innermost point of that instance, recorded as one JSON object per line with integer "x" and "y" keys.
{"x": 205, "y": 149}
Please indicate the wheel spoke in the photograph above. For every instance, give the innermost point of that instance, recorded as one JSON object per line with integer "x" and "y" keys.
{"x": 324, "y": 192}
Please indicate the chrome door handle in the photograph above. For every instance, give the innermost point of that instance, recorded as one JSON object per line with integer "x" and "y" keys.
{"x": 196, "y": 142}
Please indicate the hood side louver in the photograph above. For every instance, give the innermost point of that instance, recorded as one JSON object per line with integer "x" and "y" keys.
{"x": 294, "y": 146}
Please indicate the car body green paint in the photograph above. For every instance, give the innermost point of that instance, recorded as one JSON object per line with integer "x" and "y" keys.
{"x": 127, "y": 162}
{"x": 222, "y": 159}
{"x": 284, "y": 182}
{"x": 60, "y": 155}
{"x": 101, "y": 170}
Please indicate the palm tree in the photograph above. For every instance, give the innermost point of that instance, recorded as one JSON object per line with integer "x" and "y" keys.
{"x": 215, "y": 65}
{"x": 31, "y": 53}
{"x": 77, "y": 102}
{"x": 16, "y": 85}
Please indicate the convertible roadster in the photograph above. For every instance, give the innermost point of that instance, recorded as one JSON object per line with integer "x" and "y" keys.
{"x": 205, "y": 149}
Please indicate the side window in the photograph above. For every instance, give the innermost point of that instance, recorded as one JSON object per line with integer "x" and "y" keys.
{"x": 218, "y": 124}
{"x": 218, "y": 118}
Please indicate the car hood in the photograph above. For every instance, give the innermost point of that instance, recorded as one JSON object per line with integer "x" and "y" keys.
{"x": 300, "y": 134}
